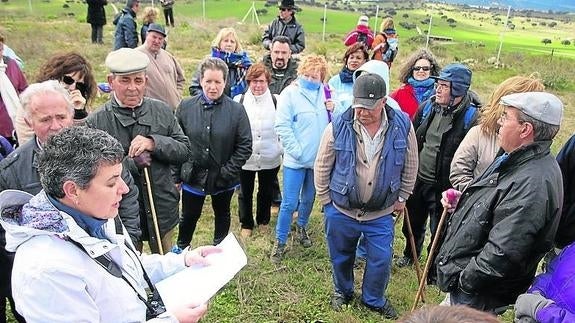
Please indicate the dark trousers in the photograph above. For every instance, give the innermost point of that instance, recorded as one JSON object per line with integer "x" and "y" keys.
{"x": 97, "y": 34}
{"x": 485, "y": 303}
{"x": 169, "y": 16}
{"x": 6, "y": 262}
{"x": 266, "y": 179}
{"x": 424, "y": 202}
{"x": 276, "y": 192}
{"x": 192, "y": 209}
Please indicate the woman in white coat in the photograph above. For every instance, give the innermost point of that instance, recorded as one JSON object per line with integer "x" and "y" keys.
{"x": 74, "y": 260}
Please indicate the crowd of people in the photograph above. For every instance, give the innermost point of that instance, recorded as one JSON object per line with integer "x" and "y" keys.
{"x": 83, "y": 187}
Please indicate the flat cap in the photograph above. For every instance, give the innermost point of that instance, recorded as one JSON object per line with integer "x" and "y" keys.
{"x": 127, "y": 61}
{"x": 157, "y": 28}
{"x": 541, "y": 106}
{"x": 367, "y": 89}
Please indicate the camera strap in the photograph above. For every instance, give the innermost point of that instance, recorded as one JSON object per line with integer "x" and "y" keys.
{"x": 115, "y": 270}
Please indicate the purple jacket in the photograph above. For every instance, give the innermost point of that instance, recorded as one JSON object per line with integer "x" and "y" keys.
{"x": 558, "y": 284}
{"x": 18, "y": 79}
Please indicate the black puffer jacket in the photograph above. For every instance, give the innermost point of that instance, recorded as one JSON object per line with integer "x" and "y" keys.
{"x": 293, "y": 30}
{"x": 449, "y": 141}
{"x": 502, "y": 227}
{"x": 153, "y": 119}
{"x": 19, "y": 171}
{"x": 96, "y": 13}
{"x": 220, "y": 140}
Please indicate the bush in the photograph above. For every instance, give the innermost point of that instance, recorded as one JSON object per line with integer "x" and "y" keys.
{"x": 546, "y": 41}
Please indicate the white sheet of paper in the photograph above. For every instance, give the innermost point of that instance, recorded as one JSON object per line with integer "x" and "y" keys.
{"x": 198, "y": 284}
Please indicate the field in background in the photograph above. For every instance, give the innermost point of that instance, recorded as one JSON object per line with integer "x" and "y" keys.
{"x": 299, "y": 289}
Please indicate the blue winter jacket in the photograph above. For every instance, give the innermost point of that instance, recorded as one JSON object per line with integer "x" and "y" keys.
{"x": 301, "y": 118}
{"x": 126, "y": 34}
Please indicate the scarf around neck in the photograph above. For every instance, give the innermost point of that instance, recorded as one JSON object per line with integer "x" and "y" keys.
{"x": 346, "y": 75}
{"x": 423, "y": 89}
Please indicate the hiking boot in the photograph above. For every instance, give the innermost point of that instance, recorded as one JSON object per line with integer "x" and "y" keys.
{"x": 278, "y": 252}
{"x": 337, "y": 301}
{"x": 404, "y": 262}
{"x": 302, "y": 237}
{"x": 386, "y": 310}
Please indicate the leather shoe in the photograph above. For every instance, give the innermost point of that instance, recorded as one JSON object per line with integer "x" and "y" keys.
{"x": 386, "y": 310}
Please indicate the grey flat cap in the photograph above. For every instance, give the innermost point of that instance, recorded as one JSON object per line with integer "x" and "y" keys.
{"x": 541, "y": 106}
{"x": 157, "y": 28}
{"x": 127, "y": 61}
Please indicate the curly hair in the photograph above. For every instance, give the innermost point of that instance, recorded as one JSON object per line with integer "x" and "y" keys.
{"x": 492, "y": 111}
{"x": 68, "y": 63}
{"x": 225, "y": 32}
{"x": 75, "y": 154}
{"x": 313, "y": 63}
{"x": 354, "y": 48}
{"x": 406, "y": 70}
{"x": 150, "y": 14}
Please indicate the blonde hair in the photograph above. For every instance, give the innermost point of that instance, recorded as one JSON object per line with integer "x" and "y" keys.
{"x": 387, "y": 23}
{"x": 225, "y": 32}
{"x": 492, "y": 111}
{"x": 150, "y": 14}
{"x": 313, "y": 63}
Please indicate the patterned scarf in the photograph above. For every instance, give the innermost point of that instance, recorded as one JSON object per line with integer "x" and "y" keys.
{"x": 423, "y": 89}
{"x": 239, "y": 62}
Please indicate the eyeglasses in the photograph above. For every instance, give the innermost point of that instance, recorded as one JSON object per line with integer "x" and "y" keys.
{"x": 68, "y": 80}
{"x": 284, "y": 9}
{"x": 421, "y": 68}
{"x": 442, "y": 86}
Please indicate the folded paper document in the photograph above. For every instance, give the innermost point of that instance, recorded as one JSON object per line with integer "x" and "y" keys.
{"x": 197, "y": 284}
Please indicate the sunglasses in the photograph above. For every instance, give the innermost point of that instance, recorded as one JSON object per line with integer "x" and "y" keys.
{"x": 68, "y": 80}
{"x": 285, "y": 9}
{"x": 421, "y": 68}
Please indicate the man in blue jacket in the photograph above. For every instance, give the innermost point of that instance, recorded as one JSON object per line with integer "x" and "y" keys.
{"x": 365, "y": 169}
{"x": 126, "y": 34}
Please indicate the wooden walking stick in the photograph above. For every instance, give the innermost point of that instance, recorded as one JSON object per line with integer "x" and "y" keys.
{"x": 429, "y": 258}
{"x": 153, "y": 209}
{"x": 413, "y": 251}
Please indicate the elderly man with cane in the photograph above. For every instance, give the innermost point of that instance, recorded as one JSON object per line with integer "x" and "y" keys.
{"x": 506, "y": 219}
{"x": 365, "y": 168}
{"x": 153, "y": 142}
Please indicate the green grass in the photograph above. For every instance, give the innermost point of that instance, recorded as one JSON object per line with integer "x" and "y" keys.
{"x": 299, "y": 289}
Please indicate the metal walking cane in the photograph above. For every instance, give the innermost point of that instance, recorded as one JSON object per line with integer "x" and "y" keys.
{"x": 153, "y": 207}
{"x": 429, "y": 258}
{"x": 413, "y": 251}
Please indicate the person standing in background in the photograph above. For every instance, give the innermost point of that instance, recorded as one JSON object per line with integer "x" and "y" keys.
{"x": 168, "y": 5}
{"x": 126, "y": 34}
{"x": 97, "y": 19}
{"x": 286, "y": 25}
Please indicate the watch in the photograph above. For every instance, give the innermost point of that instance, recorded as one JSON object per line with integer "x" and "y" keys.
{"x": 401, "y": 199}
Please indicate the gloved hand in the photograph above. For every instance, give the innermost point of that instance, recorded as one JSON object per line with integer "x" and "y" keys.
{"x": 143, "y": 160}
{"x": 528, "y": 304}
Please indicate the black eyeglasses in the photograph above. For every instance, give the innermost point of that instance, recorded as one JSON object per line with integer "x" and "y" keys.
{"x": 284, "y": 9}
{"x": 68, "y": 80}
{"x": 421, "y": 68}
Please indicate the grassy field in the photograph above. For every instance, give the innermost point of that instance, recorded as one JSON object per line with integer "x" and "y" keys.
{"x": 299, "y": 289}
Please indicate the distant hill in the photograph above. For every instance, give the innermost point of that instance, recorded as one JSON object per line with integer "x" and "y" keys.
{"x": 539, "y": 5}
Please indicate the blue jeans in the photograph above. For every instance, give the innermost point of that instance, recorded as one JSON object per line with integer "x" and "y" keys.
{"x": 342, "y": 235}
{"x": 298, "y": 194}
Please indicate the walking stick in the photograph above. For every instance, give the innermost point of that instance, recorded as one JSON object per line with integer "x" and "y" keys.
{"x": 153, "y": 207}
{"x": 429, "y": 258}
{"x": 413, "y": 251}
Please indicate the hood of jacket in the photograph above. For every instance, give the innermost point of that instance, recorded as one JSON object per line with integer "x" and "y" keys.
{"x": 380, "y": 68}
{"x": 25, "y": 216}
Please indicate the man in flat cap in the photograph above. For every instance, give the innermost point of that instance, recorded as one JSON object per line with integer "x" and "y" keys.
{"x": 506, "y": 219}
{"x": 165, "y": 76}
{"x": 367, "y": 161}
{"x": 151, "y": 137}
